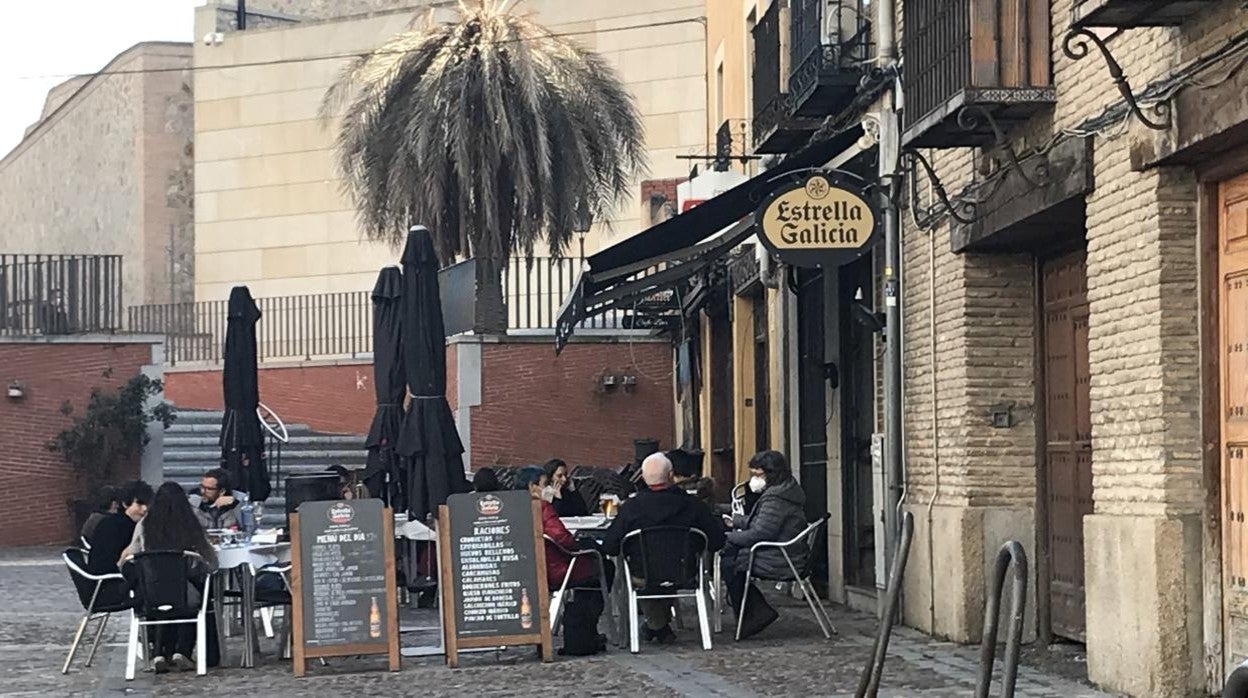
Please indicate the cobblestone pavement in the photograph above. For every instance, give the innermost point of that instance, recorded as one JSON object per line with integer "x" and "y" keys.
{"x": 791, "y": 658}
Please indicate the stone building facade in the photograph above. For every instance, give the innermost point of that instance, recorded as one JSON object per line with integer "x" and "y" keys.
{"x": 107, "y": 170}
{"x": 1063, "y": 354}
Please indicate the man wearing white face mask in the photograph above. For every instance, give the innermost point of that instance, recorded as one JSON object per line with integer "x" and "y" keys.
{"x": 778, "y": 515}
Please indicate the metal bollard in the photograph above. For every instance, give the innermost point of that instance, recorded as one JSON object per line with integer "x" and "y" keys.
{"x": 1010, "y": 555}
{"x": 869, "y": 684}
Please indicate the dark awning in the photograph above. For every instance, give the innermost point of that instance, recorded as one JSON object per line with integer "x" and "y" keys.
{"x": 674, "y": 251}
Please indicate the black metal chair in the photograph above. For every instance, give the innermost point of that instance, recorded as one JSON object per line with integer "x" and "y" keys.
{"x": 665, "y": 562}
{"x": 560, "y": 595}
{"x": 799, "y": 576}
{"x": 269, "y": 599}
{"x": 101, "y": 595}
{"x": 162, "y": 584}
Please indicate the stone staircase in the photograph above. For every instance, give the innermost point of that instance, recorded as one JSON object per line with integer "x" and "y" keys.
{"x": 191, "y": 449}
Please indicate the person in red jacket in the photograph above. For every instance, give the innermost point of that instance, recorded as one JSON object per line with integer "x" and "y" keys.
{"x": 534, "y": 479}
{"x": 584, "y": 572}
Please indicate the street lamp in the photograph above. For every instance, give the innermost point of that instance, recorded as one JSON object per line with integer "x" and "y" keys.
{"x": 581, "y": 224}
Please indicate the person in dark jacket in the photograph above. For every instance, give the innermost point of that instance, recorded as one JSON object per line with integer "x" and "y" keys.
{"x": 567, "y": 501}
{"x": 661, "y": 504}
{"x": 779, "y": 515}
{"x": 113, "y": 533}
{"x": 105, "y": 505}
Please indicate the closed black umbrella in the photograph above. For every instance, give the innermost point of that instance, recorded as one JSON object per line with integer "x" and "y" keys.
{"x": 242, "y": 442}
{"x": 429, "y": 438}
{"x": 383, "y": 476}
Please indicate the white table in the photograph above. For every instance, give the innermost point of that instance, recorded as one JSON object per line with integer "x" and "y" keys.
{"x": 244, "y": 559}
{"x": 593, "y": 522}
{"x": 418, "y": 532}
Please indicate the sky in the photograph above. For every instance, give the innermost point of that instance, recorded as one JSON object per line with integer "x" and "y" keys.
{"x": 48, "y": 41}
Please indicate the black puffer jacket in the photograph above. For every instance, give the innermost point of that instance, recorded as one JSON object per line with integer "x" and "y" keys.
{"x": 779, "y": 515}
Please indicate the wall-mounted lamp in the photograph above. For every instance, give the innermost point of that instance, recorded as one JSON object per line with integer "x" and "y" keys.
{"x": 873, "y": 321}
{"x": 16, "y": 391}
{"x": 630, "y": 383}
{"x": 609, "y": 381}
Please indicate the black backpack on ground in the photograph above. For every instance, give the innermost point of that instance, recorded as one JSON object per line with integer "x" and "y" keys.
{"x": 580, "y": 624}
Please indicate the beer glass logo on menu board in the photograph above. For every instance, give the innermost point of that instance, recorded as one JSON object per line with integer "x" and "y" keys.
{"x": 489, "y": 505}
{"x": 340, "y": 514}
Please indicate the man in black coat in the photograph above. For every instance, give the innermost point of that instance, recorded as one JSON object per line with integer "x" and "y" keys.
{"x": 661, "y": 504}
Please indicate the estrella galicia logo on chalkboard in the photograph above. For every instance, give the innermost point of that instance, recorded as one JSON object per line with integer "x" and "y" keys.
{"x": 489, "y": 505}
{"x": 341, "y": 513}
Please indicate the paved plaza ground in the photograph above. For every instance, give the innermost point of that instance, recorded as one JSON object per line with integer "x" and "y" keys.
{"x": 791, "y": 658}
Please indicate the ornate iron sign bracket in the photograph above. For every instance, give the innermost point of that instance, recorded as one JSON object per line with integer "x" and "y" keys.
{"x": 1076, "y": 47}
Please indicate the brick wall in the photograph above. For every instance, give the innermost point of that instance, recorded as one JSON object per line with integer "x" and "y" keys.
{"x": 330, "y": 398}
{"x": 969, "y": 328}
{"x": 37, "y": 483}
{"x": 536, "y": 406}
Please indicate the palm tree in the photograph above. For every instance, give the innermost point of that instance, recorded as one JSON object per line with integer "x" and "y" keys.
{"x": 493, "y": 132}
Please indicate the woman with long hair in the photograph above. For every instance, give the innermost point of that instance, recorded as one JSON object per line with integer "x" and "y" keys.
{"x": 171, "y": 524}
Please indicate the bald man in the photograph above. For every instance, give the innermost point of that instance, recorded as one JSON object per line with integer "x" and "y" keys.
{"x": 661, "y": 504}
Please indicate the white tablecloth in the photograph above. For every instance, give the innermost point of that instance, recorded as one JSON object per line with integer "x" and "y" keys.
{"x": 592, "y": 522}
{"x": 258, "y": 554}
{"x": 413, "y": 530}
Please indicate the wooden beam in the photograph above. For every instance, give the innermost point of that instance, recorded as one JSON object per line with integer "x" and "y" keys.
{"x": 743, "y": 396}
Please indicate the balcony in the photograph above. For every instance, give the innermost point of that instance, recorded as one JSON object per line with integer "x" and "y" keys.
{"x": 59, "y": 294}
{"x": 831, "y": 40}
{"x": 1126, "y": 14}
{"x": 973, "y": 67}
{"x": 776, "y": 129}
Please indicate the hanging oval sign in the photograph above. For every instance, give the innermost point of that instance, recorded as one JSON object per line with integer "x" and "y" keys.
{"x": 819, "y": 220}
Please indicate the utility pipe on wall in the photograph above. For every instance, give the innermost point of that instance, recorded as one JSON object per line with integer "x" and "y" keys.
{"x": 889, "y": 158}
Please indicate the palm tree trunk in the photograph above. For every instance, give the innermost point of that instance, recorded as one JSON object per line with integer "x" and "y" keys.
{"x": 490, "y": 315}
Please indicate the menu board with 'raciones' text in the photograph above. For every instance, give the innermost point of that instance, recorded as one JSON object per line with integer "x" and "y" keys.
{"x": 494, "y": 565}
{"x": 343, "y": 584}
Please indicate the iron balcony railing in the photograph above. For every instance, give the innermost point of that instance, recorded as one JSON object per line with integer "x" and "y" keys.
{"x": 990, "y": 56}
{"x": 937, "y": 44}
{"x": 59, "y": 294}
{"x": 770, "y": 78}
{"x": 829, "y": 37}
{"x": 340, "y": 325}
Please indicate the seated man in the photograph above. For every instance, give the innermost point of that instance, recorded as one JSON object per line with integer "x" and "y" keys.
{"x": 113, "y": 532}
{"x": 661, "y": 504}
{"x": 216, "y": 505}
{"x": 779, "y": 515}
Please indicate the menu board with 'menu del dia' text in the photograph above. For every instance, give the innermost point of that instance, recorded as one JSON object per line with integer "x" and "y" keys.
{"x": 343, "y": 593}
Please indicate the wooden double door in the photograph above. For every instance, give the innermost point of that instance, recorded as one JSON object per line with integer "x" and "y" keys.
{"x": 1232, "y": 348}
{"x": 1067, "y": 435}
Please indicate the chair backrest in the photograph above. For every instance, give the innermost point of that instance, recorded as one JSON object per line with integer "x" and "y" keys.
{"x": 76, "y": 560}
{"x": 666, "y": 558}
{"x": 810, "y": 535}
{"x": 161, "y": 581}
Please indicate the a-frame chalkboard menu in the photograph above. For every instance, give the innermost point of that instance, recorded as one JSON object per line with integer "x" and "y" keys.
{"x": 343, "y": 594}
{"x": 493, "y": 573}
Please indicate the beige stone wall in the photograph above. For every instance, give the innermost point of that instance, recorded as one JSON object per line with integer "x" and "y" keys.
{"x": 270, "y": 212}
{"x": 968, "y": 345}
{"x": 107, "y": 171}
